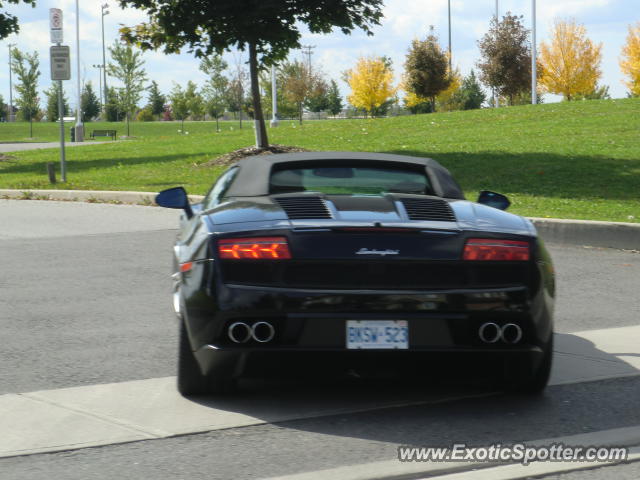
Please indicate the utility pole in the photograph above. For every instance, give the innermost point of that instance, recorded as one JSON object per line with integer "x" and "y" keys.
{"x": 10, "y": 117}
{"x": 79, "y": 126}
{"x": 309, "y": 49}
{"x": 450, "y": 55}
{"x": 104, "y": 62}
{"x": 534, "y": 57}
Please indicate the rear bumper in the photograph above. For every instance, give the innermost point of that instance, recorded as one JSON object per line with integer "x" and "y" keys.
{"x": 307, "y": 320}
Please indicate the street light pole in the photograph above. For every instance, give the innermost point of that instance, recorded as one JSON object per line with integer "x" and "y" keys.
{"x": 10, "y": 117}
{"x": 99, "y": 67}
{"x": 79, "y": 126}
{"x": 534, "y": 55}
{"x": 104, "y": 62}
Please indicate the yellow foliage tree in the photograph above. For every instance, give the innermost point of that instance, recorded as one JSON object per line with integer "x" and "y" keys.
{"x": 445, "y": 98}
{"x": 630, "y": 62}
{"x": 371, "y": 82}
{"x": 571, "y": 63}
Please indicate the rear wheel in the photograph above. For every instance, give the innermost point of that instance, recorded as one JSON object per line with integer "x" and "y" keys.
{"x": 191, "y": 381}
{"x": 526, "y": 376}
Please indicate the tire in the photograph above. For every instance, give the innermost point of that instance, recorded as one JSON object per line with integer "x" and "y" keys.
{"x": 525, "y": 376}
{"x": 191, "y": 381}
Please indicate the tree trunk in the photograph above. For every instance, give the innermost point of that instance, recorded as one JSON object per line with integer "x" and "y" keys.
{"x": 217, "y": 125}
{"x": 300, "y": 112}
{"x": 127, "y": 124}
{"x": 31, "y": 127}
{"x": 261, "y": 131}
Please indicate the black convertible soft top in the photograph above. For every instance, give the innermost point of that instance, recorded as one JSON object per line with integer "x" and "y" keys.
{"x": 252, "y": 179}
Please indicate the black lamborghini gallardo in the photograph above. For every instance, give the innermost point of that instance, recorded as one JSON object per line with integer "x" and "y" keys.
{"x": 346, "y": 256}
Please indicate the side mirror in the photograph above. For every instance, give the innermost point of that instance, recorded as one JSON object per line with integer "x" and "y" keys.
{"x": 493, "y": 199}
{"x": 175, "y": 198}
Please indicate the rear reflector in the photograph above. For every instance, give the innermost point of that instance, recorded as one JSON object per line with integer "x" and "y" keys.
{"x": 485, "y": 249}
{"x": 185, "y": 267}
{"x": 257, "y": 248}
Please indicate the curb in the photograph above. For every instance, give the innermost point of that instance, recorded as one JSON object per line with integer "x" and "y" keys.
{"x": 619, "y": 235}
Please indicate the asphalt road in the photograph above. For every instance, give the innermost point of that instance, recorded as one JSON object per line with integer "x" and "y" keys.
{"x": 84, "y": 299}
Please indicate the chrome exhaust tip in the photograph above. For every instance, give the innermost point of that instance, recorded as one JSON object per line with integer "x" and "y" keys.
{"x": 511, "y": 333}
{"x": 489, "y": 332}
{"x": 263, "y": 332}
{"x": 239, "y": 332}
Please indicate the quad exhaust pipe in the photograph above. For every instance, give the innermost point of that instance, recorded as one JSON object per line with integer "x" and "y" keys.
{"x": 492, "y": 332}
{"x": 261, "y": 332}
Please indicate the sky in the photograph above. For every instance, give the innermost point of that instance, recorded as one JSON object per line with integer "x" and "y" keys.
{"x": 606, "y": 22}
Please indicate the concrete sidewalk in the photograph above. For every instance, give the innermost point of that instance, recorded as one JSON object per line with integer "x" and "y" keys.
{"x": 79, "y": 417}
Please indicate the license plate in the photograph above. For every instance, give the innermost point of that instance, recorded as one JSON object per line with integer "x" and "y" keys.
{"x": 377, "y": 334}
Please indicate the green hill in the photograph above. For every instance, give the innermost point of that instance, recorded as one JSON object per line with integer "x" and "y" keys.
{"x": 567, "y": 160}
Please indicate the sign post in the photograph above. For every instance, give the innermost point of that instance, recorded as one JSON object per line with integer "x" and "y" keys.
{"x": 60, "y": 70}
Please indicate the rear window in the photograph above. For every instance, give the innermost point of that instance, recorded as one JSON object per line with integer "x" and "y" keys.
{"x": 350, "y": 180}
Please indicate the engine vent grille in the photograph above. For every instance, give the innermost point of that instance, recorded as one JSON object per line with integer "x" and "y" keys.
{"x": 428, "y": 209}
{"x": 304, "y": 207}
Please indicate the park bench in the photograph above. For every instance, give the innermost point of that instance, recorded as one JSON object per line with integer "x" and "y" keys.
{"x": 104, "y": 133}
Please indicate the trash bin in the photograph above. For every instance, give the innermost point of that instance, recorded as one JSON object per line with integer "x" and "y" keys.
{"x": 72, "y": 129}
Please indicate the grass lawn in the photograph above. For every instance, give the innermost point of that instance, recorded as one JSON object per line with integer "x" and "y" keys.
{"x": 570, "y": 160}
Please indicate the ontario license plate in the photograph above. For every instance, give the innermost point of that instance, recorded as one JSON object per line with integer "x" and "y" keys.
{"x": 377, "y": 334}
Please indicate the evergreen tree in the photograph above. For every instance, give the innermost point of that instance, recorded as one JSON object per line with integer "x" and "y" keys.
{"x": 318, "y": 99}
{"x": 156, "y": 99}
{"x": 335, "y": 100}
{"x": 52, "y": 103}
{"x": 470, "y": 96}
{"x": 112, "y": 106}
{"x": 89, "y": 103}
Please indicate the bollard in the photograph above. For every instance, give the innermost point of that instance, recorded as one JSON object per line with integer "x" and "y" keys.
{"x": 51, "y": 170}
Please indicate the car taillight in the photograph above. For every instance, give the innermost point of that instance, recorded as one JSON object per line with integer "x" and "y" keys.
{"x": 257, "y": 248}
{"x": 495, "y": 250}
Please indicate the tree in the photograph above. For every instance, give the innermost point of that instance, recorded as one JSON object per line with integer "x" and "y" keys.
{"x": 112, "y": 110}
{"x": 371, "y": 82}
{"x": 195, "y": 102}
{"x": 4, "y": 109}
{"x": 267, "y": 29}
{"x": 570, "y": 64}
{"x": 25, "y": 66}
{"x": 630, "y": 61}
{"x": 127, "y": 67}
{"x": 334, "y": 98}
{"x": 318, "y": 98}
{"x": 156, "y": 99}
{"x": 426, "y": 69}
{"x": 470, "y": 96}
{"x": 298, "y": 83}
{"x": 215, "y": 89}
{"x": 52, "y": 102}
{"x": 89, "y": 103}
{"x": 506, "y": 57}
{"x": 8, "y": 22}
{"x": 179, "y": 104}
{"x": 447, "y": 100}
